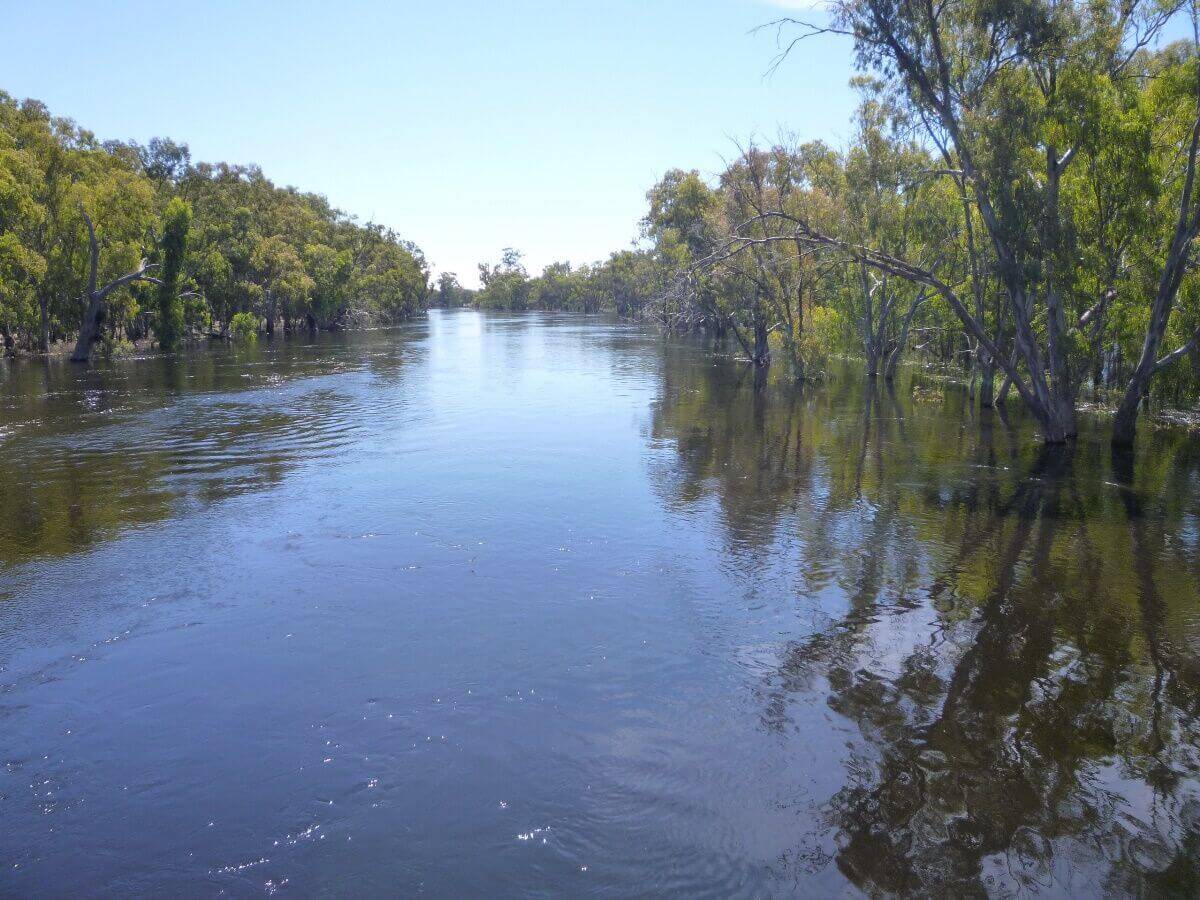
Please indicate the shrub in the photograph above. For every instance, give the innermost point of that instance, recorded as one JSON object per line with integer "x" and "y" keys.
{"x": 825, "y": 336}
{"x": 115, "y": 347}
{"x": 244, "y": 327}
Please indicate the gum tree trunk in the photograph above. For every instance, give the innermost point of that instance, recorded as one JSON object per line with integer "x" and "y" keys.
{"x": 95, "y": 297}
{"x": 44, "y": 324}
{"x": 987, "y": 386}
{"x": 762, "y": 350}
{"x": 868, "y": 324}
{"x": 893, "y": 362}
{"x": 1186, "y": 227}
{"x": 89, "y": 328}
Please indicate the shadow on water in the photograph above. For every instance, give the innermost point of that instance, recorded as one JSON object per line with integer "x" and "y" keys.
{"x": 86, "y": 454}
{"x": 1010, "y": 632}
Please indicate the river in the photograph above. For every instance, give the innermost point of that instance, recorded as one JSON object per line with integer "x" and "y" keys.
{"x": 536, "y": 605}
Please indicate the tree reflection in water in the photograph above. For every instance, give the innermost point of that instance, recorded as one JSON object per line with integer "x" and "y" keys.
{"x": 92, "y": 453}
{"x": 1015, "y": 638}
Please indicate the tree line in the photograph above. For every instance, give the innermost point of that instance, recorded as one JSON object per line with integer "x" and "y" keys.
{"x": 1023, "y": 173}
{"x": 108, "y": 243}
{"x": 1018, "y": 199}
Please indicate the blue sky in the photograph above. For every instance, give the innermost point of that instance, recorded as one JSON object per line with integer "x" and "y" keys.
{"x": 467, "y": 126}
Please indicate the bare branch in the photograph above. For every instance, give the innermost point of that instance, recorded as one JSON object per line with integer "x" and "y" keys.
{"x": 1178, "y": 353}
{"x": 139, "y": 275}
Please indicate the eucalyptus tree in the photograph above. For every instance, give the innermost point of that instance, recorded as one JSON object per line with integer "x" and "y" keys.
{"x": 389, "y": 277}
{"x": 891, "y": 203}
{"x": 754, "y": 281}
{"x": 95, "y": 295}
{"x": 627, "y": 281}
{"x": 171, "y": 325}
{"x": 83, "y": 222}
{"x": 505, "y": 285}
{"x": 165, "y": 161}
{"x": 1002, "y": 91}
{"x": 21, "y": 266}
{"x": 119, "y": 224}
{"x": 280, "y": 279}
{"x": 449, "y": 292}
{"x": 331, "y": 272}
{"x": 682, "y": 224}
{"x": 775, "y": 274}
{"x": 559, "y": 287}
{"x": 1174, "y": 91}
{"x": 56, "y": 165}
{"x": 769, "y": 277}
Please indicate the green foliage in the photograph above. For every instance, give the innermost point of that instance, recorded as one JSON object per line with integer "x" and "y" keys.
{"x": 171, "y": 324}
{"x": 449, "y": 293}
{"x": 623, "y": 284}
{"x": 1009, "y": 196}
{"x": 249, "y": 246}
{"x": 330, "y": 271}
{"x": 505, "y": 284}
{"x": 827, "y": 331}
{"x": 197, "y": 317}
{"x": 1014, "y": 171}
{"x": 115, "y": 347}
{"x": 243, "y": 327}
{"x": 680, "y": 217}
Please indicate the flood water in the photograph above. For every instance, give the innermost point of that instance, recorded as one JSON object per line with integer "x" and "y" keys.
{"x": 547, "y": 605}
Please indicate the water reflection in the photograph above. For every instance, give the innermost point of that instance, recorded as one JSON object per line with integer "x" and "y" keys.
{"x": 88, "y": 454}
{"x": 515, "y": 604}
{"x": 1012, "y": 631}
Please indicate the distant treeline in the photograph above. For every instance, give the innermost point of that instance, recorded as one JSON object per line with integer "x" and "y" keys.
{"x": 102, "y": 243}
{"x": 623, "y": 284}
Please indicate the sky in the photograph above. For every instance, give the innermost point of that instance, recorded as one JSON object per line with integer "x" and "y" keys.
{"x": 467, "y": 126}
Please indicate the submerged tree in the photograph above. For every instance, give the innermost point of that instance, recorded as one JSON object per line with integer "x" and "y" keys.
{"x": 96, "y": 296}
{"x": 1012, "y": 97}
{"x": 176, "y": 221}
{"x": 1175, "y": 92}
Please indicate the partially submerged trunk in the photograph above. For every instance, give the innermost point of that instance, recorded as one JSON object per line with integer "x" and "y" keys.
{"x": 760, "y": 379}
{"x": 762, "y": 349}
{"x": 987, "y": 385}
{"x": 868, "y": 323}
{"x": 893, "y": 361}
{"x": 89, "y": 328}
{"x": 95, "y": 298}
{"x": 43, "y": 323}
{"x": 987, "y": 365}
{"x": 1186, "y": 227}
{"x": 1125, "y": 421}
{"x": 759, "y": 352}
{"x": 1062, "y": 381}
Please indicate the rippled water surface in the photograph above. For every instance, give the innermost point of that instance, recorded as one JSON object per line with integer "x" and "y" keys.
{"x": 526, "y": 606}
